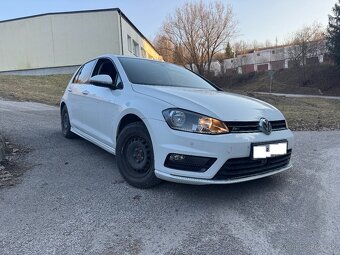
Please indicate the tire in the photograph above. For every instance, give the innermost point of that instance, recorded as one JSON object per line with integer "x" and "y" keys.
{"x": 135, "y": 158}
{"x": 65, "y": 124}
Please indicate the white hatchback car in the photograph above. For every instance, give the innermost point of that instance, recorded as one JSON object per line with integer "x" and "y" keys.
{"x": 165, "y": 122}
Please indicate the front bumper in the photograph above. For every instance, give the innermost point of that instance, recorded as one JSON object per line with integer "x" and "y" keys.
{"x": 222, "y": 147}
{"x": 197, "y": 181}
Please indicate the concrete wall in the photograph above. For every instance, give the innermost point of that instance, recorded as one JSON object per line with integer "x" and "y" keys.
{"x": 26, "y": 44}
{"x": 275, "y": 58}
{"x": 43, "y": 71}
{"x": 79, "y": 37}
{"x": 215, "y": 67}
{"x": 58, "y": 39}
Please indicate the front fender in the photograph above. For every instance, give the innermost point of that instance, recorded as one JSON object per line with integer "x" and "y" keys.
{"x": 145, "y": 108}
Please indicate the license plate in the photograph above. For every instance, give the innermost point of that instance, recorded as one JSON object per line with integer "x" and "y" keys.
{"x": 269, "y": 150}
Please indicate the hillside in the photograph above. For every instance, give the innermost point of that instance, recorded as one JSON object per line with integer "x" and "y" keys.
{"x": 301, "y": 113}
{"x": 318, "y": 80}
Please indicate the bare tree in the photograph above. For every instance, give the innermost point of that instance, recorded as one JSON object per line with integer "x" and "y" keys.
{"x": 171, "y": 53}
{"x": 201, "y": 30}
{"x": 165, "y": 48}
{"x": 268, "y": 43}
{"x": 257, "y": 45}
{"x": 242, "y": 47}
{"x": 306, "y": 43}
{"x": 181, "y": 56}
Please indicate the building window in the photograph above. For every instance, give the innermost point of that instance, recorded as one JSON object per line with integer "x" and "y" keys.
{"x": 135, "y": 48}
{"x": 143, "y": 52}
{"x": 231, "y": 61}
{"x": 273, "y": 52}
{"x": 258, "y": 54}
{"x": 129, "y": 41}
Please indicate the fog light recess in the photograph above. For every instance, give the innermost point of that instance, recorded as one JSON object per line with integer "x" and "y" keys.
{"x": 188, "y": 162}
{"x": 176, "y": 157}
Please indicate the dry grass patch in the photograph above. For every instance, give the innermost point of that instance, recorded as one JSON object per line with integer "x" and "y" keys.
{"x": 307, "y": 113}
{"x": 44, "y": 89}
{"x": 301, "y": 113}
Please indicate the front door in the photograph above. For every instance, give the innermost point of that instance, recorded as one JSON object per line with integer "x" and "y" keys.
{"x": 102, "y": 104}
{"x": 77, "y": 95}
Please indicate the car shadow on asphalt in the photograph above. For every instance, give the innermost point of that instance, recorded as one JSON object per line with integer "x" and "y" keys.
{"x": 247, "y": 189}
{"x": 254, "y": 188}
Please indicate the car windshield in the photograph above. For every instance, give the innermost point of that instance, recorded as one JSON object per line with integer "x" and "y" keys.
{"x": 148, "y": 72}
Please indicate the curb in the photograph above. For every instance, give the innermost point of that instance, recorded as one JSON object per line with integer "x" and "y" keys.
{"x": 2, "y": 148}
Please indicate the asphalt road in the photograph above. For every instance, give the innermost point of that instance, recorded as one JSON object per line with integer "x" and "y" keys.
{"x": 74, "y": 201}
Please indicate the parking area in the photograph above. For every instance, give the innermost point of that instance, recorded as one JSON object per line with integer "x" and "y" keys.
{"x": 72, "y": 200}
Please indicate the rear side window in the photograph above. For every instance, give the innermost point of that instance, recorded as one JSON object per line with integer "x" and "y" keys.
{"x": 84, "y": 72}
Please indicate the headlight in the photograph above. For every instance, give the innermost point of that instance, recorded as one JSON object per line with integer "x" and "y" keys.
{"x": 193, "y": 122}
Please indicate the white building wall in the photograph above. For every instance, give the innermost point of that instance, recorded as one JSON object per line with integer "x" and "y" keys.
{"x": 229, "y": 63}
{"x": 82, "y": 36}
{"x": 57, "y": 39}
{"x": 129, "y": 31}
{"x": 215, "y": 67}
{"x": 66, "y": 39}
{"x": 26, "y": 44}
{"x": 280, "y": 54}
{"x": 262, "y": 57}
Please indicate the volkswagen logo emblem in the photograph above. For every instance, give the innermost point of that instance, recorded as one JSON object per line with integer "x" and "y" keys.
{"x": 265, "y": 126}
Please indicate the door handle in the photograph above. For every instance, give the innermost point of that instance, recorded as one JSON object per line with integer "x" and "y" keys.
{"x": 85, "y": 92}
{"x": 69, "y": 90}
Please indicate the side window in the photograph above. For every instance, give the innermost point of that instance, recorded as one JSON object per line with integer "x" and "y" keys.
{"x": 143, "y": 52}
{"x": 105, "y": 66}
{"x": 118, "y": 80}
{"x": 84, "y": 72}
{"x": 135, "y": 48}
{"x": 76, "y": 77}
{"x": 129, "y": 41}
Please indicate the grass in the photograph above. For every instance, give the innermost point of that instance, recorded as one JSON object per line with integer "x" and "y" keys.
{"x": 44, "y": 89}
{"x": 307, "y": 113}
{"x": 320, "y": 79}
{"x": 301, "y": 113}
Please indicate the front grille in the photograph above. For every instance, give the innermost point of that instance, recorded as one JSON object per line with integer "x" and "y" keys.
{"x": 278, "y": 124}
{"x": 245, "y": 167}
{"x": 253, "y": 126}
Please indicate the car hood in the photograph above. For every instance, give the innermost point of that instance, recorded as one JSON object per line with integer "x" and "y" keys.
{"x": 217, "y": 104}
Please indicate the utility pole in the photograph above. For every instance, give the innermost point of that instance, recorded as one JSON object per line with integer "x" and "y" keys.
{"x": 271, "y": 77}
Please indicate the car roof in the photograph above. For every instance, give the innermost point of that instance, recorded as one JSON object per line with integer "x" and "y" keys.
{"x": 122, "y": 56}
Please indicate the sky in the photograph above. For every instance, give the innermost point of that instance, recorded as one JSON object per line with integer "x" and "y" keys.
{"x": 258, "y": 20}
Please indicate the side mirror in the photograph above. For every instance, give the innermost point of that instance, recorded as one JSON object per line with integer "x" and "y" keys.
{"x": 102, "y": 80}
